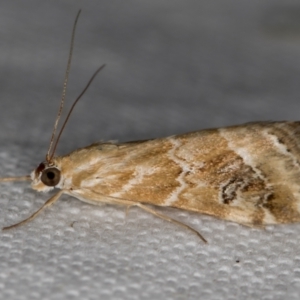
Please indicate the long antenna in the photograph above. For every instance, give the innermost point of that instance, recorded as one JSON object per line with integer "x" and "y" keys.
{"x": 71, "y": 109}
{"x": 64, "y": 88}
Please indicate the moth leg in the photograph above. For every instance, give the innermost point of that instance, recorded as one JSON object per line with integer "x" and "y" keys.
{"x": 47, "y": 204}
{"x": 255, "y": 226}
{"x": 167, "y": 218}
{"x": 127, "y": 209}
{"x": 19, "y": 178}
{"x": 116, "y": 200}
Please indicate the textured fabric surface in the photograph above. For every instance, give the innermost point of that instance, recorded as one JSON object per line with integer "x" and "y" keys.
{"x": 172, "y": 67}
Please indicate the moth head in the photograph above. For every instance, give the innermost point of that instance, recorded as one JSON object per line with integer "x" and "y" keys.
{"x": 45, "y": 177}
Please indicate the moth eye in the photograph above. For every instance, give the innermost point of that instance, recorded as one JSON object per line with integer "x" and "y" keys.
{"x": 39, "y": 169}
{"x": 51, "y": 176}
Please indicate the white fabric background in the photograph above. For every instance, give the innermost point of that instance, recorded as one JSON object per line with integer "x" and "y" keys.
{"x": 172, "y": 67}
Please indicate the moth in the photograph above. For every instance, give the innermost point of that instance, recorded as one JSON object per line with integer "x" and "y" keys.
{"x": 247, "y": 174}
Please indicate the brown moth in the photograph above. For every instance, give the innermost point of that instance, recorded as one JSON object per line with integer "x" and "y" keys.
{"x": 247, "y": 174}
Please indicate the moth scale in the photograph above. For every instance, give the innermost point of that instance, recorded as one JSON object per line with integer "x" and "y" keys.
{"x": 246, "y": 174}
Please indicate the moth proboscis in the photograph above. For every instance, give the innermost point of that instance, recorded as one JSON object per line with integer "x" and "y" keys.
{"x": 246, "y": 174}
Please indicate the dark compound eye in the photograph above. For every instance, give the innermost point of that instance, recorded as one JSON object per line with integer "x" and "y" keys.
{"x": 51, "y": 176}
{"x": 39, "y": 169}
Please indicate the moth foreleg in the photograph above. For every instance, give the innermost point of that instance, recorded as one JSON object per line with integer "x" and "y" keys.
{"x": 17, "y": 178}
{"x": 47, "y": 204}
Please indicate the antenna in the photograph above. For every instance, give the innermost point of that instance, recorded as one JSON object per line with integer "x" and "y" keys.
{"x": 64, "y": 88}
{"x": 71, "y": 109}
